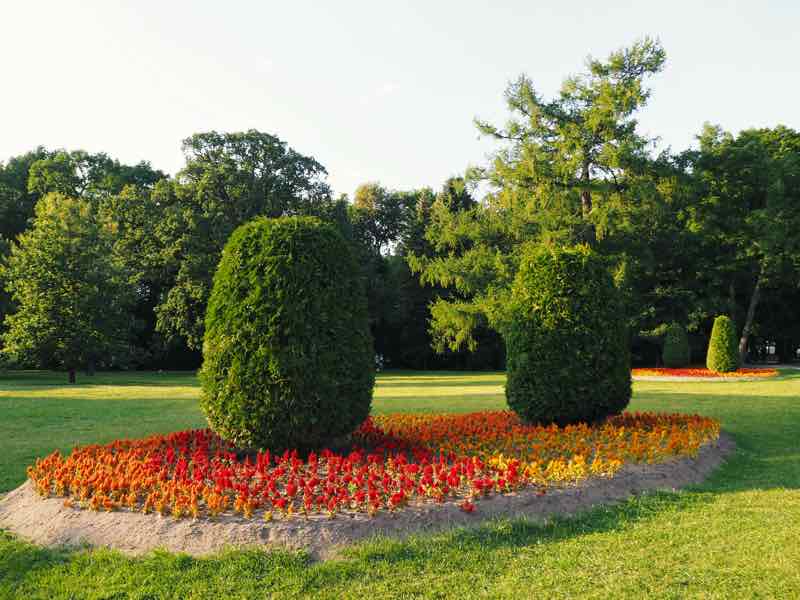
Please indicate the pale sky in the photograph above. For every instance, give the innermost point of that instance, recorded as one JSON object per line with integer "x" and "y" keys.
{"x": 376, "y": 91}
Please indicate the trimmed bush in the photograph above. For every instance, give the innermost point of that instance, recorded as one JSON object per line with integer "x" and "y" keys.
{"x": 723, "y": 349}
{"x": 287, "y": 354}
{"x": 567, "y": 345}
{"x": 676, "y": 347}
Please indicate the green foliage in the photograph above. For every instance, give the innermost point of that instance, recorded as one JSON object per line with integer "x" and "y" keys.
{"x": 379, "y": 216}
{"x": 568, "y": 358}
{"x": 723, "y": 349}
{"x": 676, "y": 347}
{"x": 287, "y": 355}
{"x": 228, "y": 179}
{"x": 569, "y": 156}
{"x": 5, "y": 298}
{"x": 686, "y": 236}
{"x": 109, "y": 186}
{"x": 137, "y": 216}
{"x": 745, "y": 210}
{"x": 567, "y": 172}
{"x": 70, "y": 295}
{"x": 388, "y": 226}
{"x": 16, "y": 201}
{"x": 88, "y": 176}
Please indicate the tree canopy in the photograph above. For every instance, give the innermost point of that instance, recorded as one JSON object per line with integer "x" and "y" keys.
{"x": 69, "y": 292}
{"x": 685, "y": 235}
{"x": 229, "y": 178}
{"x": 746, "y": 209}
{"x": 567, "y": 173}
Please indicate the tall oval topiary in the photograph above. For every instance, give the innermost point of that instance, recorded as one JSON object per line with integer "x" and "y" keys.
{"x": 676, "y": 347}
{"x": 568, "y": 356}
{"x": 723, "y": 349}
{"x": 287, "y": 354}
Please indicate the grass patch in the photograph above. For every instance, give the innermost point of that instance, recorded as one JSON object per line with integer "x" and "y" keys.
{"x": 734, "y": 536}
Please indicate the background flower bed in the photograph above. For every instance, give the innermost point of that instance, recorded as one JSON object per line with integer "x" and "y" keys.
{"x": 700, "y": 372}
{"x": 395, "y": 459}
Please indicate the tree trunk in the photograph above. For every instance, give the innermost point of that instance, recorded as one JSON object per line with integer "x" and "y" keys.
{"x": 732, "y": 302}
{"x": 90, "y": 367}
{"x": 748, "y": 321}
{"x": 71, "y": 375}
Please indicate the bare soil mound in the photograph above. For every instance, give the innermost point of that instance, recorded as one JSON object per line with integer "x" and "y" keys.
{"x": 49, "y": 522}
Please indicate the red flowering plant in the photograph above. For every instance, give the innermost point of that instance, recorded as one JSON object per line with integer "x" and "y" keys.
{"x": 701, "y": 372}
{"x": 395, "y": 461}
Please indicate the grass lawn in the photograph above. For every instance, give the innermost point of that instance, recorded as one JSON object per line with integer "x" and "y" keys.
{"x": 738, "y": 535}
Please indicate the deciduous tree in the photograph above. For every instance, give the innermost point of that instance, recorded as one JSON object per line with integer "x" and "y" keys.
{"x": 746, "y": 212}
{"x": 70, "y": 296}
{"x": 229, "y": 178}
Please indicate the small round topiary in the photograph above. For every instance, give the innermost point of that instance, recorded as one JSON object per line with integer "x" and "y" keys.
{"x": 676, "y": 347}
{"x": 568, "y": 356}
{"x": 287, "y": 354}
{"x": 723, "y": 350}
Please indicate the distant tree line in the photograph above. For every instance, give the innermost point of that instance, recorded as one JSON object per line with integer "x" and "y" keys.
{"x": 110, "y": 265}
{"x": 107, "y": 265}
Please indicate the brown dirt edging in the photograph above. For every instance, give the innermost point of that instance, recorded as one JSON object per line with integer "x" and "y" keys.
{"x": 49, "y": 522}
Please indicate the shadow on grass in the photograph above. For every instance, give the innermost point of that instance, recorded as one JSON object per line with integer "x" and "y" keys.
{"x": 19, "y": 560}
{"x": 83, "y": 571}
{"x": 433, "y": 399}
{"x": 25, "y": 381}
{"x": 460, "y": 548}
{"x": 428, "y": 383}
{"x": 520, "y": 533}
{"x": 389, "y": 373}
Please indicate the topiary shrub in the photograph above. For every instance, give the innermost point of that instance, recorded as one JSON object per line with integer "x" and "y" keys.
{"x": 676, "y": 347}
{"x": 723, "y": 349}
{"x": 287, "y": 354}
{"x": 568, "y": 357}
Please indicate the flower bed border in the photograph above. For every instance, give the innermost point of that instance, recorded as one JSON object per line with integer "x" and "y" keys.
{"x": 196, "y": 474}
{"x": 49, "y": 522}
{"x": 665, "y": 374}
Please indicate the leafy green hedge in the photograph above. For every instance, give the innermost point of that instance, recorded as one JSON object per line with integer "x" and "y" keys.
{"x": 676, "y": 347}
{"x": 287, "y": 356}
{"x": 723, "y": 348}
{"x": 567, "y": 341}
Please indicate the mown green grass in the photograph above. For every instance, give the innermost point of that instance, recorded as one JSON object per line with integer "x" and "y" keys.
{"x": 735, "y": 536}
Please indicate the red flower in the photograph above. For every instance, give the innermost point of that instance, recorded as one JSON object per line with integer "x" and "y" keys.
{"x": 467, "y": 506}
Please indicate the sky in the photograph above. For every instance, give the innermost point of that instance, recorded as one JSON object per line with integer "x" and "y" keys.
{"x": 375, "y": 91}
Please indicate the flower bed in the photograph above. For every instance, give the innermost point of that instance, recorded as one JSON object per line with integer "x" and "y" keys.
{"x": 703, "y": 373}
{"x": 395, "y": 460}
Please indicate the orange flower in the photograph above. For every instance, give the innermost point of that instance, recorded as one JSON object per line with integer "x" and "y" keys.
{"x": 395, "y": 459}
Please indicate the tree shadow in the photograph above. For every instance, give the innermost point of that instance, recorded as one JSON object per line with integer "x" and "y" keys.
{"x": 436, "y": 384}
{"x": 440, "y": 404}
{"x": 520, "y": 533}
{"x": 19, "y": 560}
{"x": 26, "y": 381}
